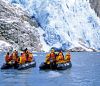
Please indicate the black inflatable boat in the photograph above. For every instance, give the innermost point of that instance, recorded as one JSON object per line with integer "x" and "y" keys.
{"x": 19, "y": 67}
{"x": 27, "y": 65}
{"x": 54, "y": 66}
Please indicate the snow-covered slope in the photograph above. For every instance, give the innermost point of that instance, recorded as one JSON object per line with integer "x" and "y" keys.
{"x": 66, "y": 23}
{"x": 4, "y": 46}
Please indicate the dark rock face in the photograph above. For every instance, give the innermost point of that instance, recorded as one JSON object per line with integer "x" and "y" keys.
{"x": 95, "y": 4}
{"x": 80, "y": 49}
{"x": 17, "y": 28}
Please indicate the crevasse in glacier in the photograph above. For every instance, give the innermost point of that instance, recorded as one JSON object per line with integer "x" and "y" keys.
{"x": 66, "y": 23}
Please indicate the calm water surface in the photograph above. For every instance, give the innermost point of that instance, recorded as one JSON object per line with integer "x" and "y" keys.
{"x": 85, "y": 71}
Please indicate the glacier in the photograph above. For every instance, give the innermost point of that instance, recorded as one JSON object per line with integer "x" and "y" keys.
{"x": 64, "y": 23}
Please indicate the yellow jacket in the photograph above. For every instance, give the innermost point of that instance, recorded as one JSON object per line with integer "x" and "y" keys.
{"x": 47, "y": 59}
{"x": 22, "y": 59}
{"x": 68, "y": 57}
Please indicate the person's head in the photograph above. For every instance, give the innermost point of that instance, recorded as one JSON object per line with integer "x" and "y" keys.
{"x": 60, "y": 51}
{"x": 7, "y": 53}
{"x": 25, "y": 50}
{"x": 14, "y": 51}
{"x": 21, "y": 53}
{"x": 52, "y": 50}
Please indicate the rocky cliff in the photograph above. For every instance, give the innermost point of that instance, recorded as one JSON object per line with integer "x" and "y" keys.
{"x": 17, "y": 28}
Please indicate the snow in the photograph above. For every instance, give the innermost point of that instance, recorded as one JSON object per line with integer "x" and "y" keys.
{"x": 4, "y": 46}
{"x": 4, "y": 43}
{"x": 64, "y": 22}
{"x": 45, "y": 47}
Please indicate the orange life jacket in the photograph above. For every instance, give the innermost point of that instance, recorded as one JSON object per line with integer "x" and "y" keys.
{"x": 22, "y": 59}
{"x": 68, "y": 57}
{"x": 23, "y": 55}
{"x": 13, "y": 56}
{"x": 47, "y": 59}
{"x": 61, "y": 56}
{"x": 7, "y": 58}
{"x": 26, "y": 55}
{"x": 30, "y": 57}
{"x": 53, "y": 56}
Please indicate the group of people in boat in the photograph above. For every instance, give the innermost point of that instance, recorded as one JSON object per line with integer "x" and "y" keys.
{"x": 57, "y": 57}
{"x": 53, "y": 60}
{"x": 14, "y": 58}
{"x": 27, "y": 56}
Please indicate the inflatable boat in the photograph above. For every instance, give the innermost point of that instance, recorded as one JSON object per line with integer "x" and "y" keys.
{"x": 7, "y": 66}
{"x": 19, "y": 67}
{"x": 26, "y": 65}
{"x": 54, "y": 66}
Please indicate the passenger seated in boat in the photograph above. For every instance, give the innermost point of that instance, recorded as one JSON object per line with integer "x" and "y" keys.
{"x": 68, "y": 57}
{"x": 22, "y": 58}
{"x": 47, "y": 59}
{"x": 16, "y": 56}
{"x": 7, "y": 58}
{"x": 60, "y": 57}
{"x": 29, "y": 55}
{"x": 13, "y": 57}
{"x": 51, "y": 57}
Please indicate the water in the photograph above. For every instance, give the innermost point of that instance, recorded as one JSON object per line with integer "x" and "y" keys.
{"x": 84, "y": 72}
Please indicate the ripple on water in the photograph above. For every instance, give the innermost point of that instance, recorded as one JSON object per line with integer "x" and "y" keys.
{"x": 54, "y": 74}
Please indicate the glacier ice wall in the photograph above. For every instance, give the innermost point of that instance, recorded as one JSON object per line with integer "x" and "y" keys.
{"x": 66, "y": 23}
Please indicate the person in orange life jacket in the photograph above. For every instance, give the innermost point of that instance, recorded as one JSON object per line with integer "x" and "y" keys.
{"x": 22, "y": 58}
{"x": 7, "y": 58}
{"x": 52, "y": 55}
{"x": 29, "y": 55}
{"x": 14, "y": 56}
{"x": 68, "y": 57}
{"x": 47, "y": 59}
{"x": 52, "y": 59}
{"x": 60, "y": 57}
{"x": 26, "y": 54}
